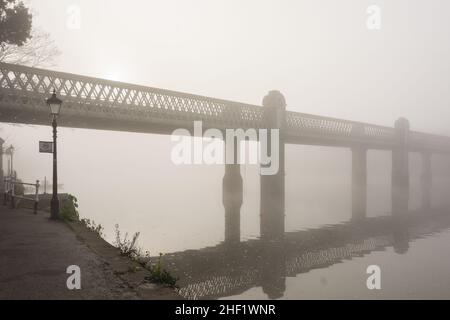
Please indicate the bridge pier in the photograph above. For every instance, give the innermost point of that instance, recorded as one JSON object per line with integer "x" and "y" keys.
{"x": 426, "y": 180}
{"x": 232, "y": 196}
{"x": 272, "y": 203}
{"x": 359, "y": 183}
{"x": 400, "y": 168}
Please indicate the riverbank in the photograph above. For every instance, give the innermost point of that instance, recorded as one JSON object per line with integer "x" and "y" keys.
{"x": 124, "y": 267}
{"x": 37, "y": 251}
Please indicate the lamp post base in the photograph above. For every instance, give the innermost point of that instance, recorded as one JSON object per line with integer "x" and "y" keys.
{"x": 54, "y": 208}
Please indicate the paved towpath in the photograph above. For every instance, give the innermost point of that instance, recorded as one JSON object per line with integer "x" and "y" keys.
{"x": 35, "y": 253}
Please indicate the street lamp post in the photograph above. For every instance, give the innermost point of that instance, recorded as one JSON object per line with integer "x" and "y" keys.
{"x": 10, "y": 151}
{"x": 55, "y": 106}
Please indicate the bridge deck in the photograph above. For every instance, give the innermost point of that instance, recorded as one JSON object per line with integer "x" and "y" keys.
{"x": 108, "y": 105}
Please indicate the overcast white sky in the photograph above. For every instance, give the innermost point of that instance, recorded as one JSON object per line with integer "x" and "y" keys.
{"x": 319, "y": 53}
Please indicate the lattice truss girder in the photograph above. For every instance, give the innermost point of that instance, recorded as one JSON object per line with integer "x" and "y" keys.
{"x": 29, "y": 87}
{"x": 85, "y": 94}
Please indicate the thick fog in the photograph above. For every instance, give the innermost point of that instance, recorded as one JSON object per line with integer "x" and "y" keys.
{"x": 319, "y": 54}
{"x": 371, "y": 61}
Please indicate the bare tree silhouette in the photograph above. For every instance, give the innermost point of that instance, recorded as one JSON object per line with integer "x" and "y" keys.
{"x": 39, "y": 51}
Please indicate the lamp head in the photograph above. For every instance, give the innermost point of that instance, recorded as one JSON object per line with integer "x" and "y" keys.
{"x": 55, "y": 104}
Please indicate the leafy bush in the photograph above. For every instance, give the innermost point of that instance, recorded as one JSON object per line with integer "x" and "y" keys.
{"x": 69, "y": 210}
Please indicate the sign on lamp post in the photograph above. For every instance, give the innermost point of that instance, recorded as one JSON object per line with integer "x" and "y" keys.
{"x": 45, "y": 146}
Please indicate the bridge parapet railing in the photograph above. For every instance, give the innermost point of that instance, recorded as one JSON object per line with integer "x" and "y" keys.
{"x": 11, "y": 195}
{"x": 126, "y": 98}
{"x": 308, "y": 123}
{"x": 21, "y": 85}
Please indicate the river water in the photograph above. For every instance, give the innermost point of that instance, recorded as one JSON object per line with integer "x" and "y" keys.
{"x": 128, "y": 179}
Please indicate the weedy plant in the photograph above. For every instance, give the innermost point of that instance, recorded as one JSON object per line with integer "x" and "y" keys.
{"x": 91, "y": 225}
{"x": 127, "y": 247}
{"x": 160, "y": 275}
{"x": 69, "y": 212}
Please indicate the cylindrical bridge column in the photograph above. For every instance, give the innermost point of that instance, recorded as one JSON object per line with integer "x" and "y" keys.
{"x": 272, "y": 173}
{"x": 232, "y": 198}
{"x": 359, "y": 183}
{"x": 426, "y": 181}
{"x": 400, "y": 168}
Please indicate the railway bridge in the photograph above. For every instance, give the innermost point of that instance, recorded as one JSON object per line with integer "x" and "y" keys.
{"x": 109, "y": 105}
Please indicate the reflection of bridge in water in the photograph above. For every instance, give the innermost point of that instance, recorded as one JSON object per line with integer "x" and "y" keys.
{"x": 230, "y": 269}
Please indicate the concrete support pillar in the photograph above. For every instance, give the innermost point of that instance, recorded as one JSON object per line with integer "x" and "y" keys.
{"x": 2, "y": 184}
{"x": 232, "y": 198}
{"x": 272, "y": 181}
{"x": 400, "y": 168}
{"x": 359, "y": 183}
{"x": 426, "y": 181}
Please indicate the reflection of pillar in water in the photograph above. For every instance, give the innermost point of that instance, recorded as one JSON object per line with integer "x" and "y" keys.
{"x": 359, "y": 175}
{"x": 273, "y": 274}
{"x": 359, "y": 183}
{"x": 401, "y": 236}
{"x": 400, "y": 168}
{"x": 426, "y": 181}
{"x": 272, "y": 185}
{"x": 232, "y": 196}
